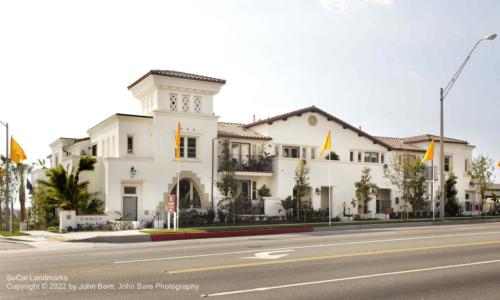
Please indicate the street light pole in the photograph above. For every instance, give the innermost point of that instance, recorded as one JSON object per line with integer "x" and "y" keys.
{"x": 443, "y": 93}
{"x": 7, "y": 176}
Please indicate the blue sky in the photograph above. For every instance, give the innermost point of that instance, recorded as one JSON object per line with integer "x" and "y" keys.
{"x": 377, "y": 64}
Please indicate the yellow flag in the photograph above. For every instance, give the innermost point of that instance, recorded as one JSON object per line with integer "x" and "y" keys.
{"x": 429, "y": 154}
{"x": 498, "y": 165}
{"x": 16, "y": 152}
{"x": 327, "y": 145}
{"x": 178, "y": 142}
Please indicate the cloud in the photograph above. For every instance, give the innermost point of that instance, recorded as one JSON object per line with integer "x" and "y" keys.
{"x": 350, "y": 6}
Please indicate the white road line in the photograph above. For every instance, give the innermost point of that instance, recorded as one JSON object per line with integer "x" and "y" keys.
{"x": 260, "y": 289}
{"x": 305, "y": 247}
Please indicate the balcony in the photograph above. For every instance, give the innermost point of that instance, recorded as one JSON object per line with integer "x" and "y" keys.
{"x": 248, "y": 163}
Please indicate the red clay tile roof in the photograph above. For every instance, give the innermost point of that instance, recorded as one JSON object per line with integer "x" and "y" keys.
{"x": 429, "y": 137}
{"x": 236, "y": 130}
{"x": 328, "y": 116}
{"x": 177, "y": 74}
{"x": 399, "y": 144}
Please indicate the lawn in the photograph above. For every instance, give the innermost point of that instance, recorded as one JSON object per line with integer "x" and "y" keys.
{"x": 301, "y": 225}
{"x": 15, "y": 233}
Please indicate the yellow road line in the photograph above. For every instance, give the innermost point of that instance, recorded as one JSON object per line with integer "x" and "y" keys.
{"x": 314, "y": 258}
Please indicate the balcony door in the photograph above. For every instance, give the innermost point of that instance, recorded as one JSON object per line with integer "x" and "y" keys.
{"x": 240, "y": 153}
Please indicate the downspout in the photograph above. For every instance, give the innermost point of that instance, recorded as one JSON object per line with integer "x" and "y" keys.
{"x": 212, "y": 179}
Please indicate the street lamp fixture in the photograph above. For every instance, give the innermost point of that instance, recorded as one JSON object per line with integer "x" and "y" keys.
{"x": 443, "y": 93}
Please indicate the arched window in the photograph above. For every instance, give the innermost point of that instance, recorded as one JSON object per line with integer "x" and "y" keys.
{"x": 188, "y": 194}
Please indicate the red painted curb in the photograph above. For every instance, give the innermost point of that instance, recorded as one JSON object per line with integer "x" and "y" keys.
{"x": 218, "y": 234}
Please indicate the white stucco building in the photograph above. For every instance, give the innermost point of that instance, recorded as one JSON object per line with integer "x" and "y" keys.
{"x": 136, "y": 160}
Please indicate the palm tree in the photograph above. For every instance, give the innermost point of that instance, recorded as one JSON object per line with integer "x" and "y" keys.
{"x": 64, "y": 185}
{"x": 21, "y": 172}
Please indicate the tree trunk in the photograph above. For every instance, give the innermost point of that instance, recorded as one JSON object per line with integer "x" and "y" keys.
{"x": 22, "y": 199}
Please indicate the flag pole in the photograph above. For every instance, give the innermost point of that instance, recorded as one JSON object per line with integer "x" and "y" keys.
{"x": 11, "y": 201}
{"x": 432, "y": 188}
{"x": 7, "y": 175}
{"x": 330, "y": 188}
{"x": 177, "y": 196}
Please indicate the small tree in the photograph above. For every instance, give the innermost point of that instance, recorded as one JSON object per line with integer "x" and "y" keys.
{"x": 287, "y": 206}
{"x": 481, "y": 174}
{"x": 406, "y": 173}
{"x": 452, "y": 207}
{"x": 226, "y": 184}
{"x": 416, "y": 184}
{"x": 301, "y": 184}
{"x": 364, "y": 190}
{"x": 495, "y": 198}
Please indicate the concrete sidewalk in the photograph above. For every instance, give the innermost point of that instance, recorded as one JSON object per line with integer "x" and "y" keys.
{"x": 83, "y": 236}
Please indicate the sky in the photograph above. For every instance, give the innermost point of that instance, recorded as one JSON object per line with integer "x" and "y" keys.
{"x": 378, "y": 64}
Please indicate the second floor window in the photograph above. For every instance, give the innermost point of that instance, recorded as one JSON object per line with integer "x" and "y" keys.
{"x": 292, "y": 152}
{"x": 130, "y": 145}
{"x": 94, "y": 150}
{"x": 371, "y": 157}
{"x": 447, "y": 163}
{"x": 188, "y": 147}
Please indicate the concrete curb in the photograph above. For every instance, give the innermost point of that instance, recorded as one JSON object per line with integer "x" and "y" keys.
{"x": 219, "y": 234}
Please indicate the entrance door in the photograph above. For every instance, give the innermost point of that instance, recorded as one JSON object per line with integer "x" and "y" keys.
{"x": 244, "y": 190}
{"x": 130, "y": 208}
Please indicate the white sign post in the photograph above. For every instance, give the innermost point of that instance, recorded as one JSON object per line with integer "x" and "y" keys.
{"x": 170, "y": 208}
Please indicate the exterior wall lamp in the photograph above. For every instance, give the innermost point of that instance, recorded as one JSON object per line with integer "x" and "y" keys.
{"x": 318, "y": 191}
{"x": 132, "y": 172}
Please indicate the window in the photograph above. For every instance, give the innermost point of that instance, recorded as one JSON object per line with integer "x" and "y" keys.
{"x": 313, "y": 153}
{"x": 94, "y": 150}
{"x": 396, "y": 200}
{"x": 304, "y": 153}
{"x": 292, "y": 152}
{"x": 467, "y": 196}
{"x": 371, "y": 157}
{"x": 359, "y": 156}
{"x": 182, "y": 147}
{"x": 467, "y": 164}
{"x": 190, "y": 152}
{"x": 130, "y": 144}
{"x": 254, "y": 190}
{"x": 351, "y": 156}
{"x": 447, "y": 163}
{"x": 191, "y": 147}
{"x": 382, "y": 158}
{"x": 185, "y": 103}
{"x": 197, "y": 104}
{"x": 130, "y": 190}
{"x": 173, "y": 102}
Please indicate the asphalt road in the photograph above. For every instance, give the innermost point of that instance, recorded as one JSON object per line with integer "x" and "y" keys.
{"x": 436, "y": 262}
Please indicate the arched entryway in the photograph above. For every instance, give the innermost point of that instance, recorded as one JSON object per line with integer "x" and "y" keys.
{"x": 188, "y": 194}
{"x": 192, "y": 191}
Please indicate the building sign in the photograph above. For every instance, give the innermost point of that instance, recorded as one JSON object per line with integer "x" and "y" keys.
{"x": 170, "y": 203}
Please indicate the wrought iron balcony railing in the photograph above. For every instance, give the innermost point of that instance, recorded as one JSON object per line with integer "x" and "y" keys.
{"x": 246, "y": 163}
